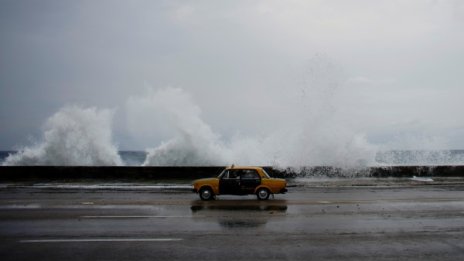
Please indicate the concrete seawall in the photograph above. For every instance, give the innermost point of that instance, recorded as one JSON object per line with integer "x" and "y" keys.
{"x": 60, "y": 173}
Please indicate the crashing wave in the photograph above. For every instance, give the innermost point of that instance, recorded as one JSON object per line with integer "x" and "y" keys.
{"x": 73, "y": 136}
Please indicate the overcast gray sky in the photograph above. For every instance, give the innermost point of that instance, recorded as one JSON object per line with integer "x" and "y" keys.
{"x": 398, "y": 66}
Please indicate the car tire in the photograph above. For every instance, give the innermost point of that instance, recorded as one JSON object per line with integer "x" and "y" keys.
{"x": 262, "y": 194}
{"x": 206, "y": 194}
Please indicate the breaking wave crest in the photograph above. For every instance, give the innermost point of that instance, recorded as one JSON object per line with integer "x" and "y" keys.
{"x": 312, "y": 128}
{"x": 83, "y": 136}
{"x": 73, "y": 136}
{"x": 312, "y": 131}
{"x": 188, "y": 141}
{"x": 191, "y": 142}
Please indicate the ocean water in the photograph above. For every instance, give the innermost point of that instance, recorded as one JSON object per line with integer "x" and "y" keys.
{"x": 382, "y": 158}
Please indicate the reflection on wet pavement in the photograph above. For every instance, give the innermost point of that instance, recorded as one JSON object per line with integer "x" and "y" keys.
{"x": 240, "y": 223}
{"x": 238, "y": 214}
{"x": 235, "y": 205}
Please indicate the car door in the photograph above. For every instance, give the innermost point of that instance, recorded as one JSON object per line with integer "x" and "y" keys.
{"x": 229, "y": 183}
{"x": 249, "y": 180}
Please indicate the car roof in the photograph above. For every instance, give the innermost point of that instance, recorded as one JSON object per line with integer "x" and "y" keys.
{"x": 244, "y": 167}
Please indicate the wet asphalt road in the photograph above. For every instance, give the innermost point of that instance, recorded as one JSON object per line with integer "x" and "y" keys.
{"x": 349, "y": 223}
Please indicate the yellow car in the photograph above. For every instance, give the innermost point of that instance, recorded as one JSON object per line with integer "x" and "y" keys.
{"x": 240, "y": 181}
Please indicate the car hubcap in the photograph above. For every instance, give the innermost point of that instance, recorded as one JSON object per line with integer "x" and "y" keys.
{"x": 262, "y": 193}
{"x": 206, "y": 194}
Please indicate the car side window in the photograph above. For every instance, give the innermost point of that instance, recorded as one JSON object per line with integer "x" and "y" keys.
{"x": 234, "y": 174}
{"x": 230, "y": 174}
{"x": 250, "y": 174}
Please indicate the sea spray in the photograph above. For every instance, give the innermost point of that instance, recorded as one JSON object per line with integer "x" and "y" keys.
{"x": 317, "y": 134}
{"x": 171, "y": 113}
{"x": 323, "y": 130}
{"x": 419, "y": 157}
{"x": 188, "y": 140}
{"x": 73, "y": 136}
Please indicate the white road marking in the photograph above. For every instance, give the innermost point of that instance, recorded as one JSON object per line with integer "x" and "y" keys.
{"x": 135, "y": 216}
{"x": 108, "y": 186}
{"x": 25, "y": 206}
{"x": 422, "y": 179}
{"x": 68, "y": 240}
{"x": 79, "y": 206}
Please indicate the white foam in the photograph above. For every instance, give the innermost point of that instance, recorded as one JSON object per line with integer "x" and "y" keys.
{"x": 191, "y": 141}
{"x": 312, "y": 126}
{"x": 171, "y": 113}
{"x": 72, "y": 136}
{"x": 313, "y": 131}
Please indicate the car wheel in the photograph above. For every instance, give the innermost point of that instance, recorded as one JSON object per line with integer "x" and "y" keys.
{"x": 262, "y": 194}
{"x": 206, "y": 194}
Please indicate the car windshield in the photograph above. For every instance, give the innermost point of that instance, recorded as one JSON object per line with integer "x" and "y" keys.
{"x": 267, "y": 175}
{"x": 222, "y": 173}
